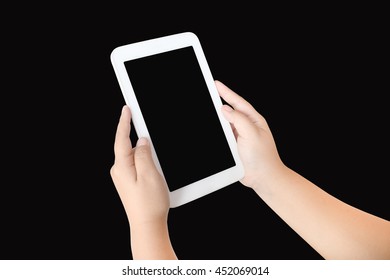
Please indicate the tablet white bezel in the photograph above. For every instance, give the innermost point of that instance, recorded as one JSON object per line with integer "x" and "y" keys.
{"x": 136, "y": 50}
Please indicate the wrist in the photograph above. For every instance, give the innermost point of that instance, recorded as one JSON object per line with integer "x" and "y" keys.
{"x": 268, "y": 180}
{"x": 159, "y": 225}
{"x": 151, "y": 240}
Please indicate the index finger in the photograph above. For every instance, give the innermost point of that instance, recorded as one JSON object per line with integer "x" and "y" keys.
{"x": 238, "y": 103}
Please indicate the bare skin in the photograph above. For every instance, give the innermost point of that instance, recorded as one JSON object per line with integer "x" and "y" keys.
{"x": 143, "y": 193}
{"x": 333, "y": 228}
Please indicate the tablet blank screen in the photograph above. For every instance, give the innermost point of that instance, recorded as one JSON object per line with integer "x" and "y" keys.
{"x": 180, "y": 116}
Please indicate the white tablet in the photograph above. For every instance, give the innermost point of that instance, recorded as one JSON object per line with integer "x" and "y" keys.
{"x": 171, "y": 93}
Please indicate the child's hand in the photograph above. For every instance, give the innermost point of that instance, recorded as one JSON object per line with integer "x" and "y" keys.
{"x": 256, "y": 145}
{"x": 144, "y": 194}
{"x": 141, "y": 187}
{"x": 333, "y": 228}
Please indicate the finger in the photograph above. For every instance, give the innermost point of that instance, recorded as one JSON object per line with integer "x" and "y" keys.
{"x": 122, "y": 144}
{"x": 238, "y": 103}
{"x": 234, "y": 130}
{"x": 144, "y": 163}
{"x": 243, "y": 126}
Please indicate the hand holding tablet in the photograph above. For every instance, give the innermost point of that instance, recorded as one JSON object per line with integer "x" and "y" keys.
{"x": 171, "y": 93}
{"x": 175, "y": 104}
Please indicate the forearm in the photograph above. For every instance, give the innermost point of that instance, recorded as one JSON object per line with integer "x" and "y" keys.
{"x": 333, "y": 228}
{"x": 151, "y": 242}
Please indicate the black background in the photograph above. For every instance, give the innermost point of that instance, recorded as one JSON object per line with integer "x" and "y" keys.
{"x": 317, "y": 74}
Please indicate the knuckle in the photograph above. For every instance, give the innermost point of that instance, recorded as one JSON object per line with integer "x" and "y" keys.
{"x": 113, "y": 171}
{"x": 141, "y": 152}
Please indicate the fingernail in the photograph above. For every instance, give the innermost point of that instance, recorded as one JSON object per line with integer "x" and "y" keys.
{"x": 142, "y": 141}
{"x": 227, "y": 108}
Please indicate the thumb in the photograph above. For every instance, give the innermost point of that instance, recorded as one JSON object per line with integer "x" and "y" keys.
{"x": 143, "y": 160}
{"x": 244, "y": 126}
